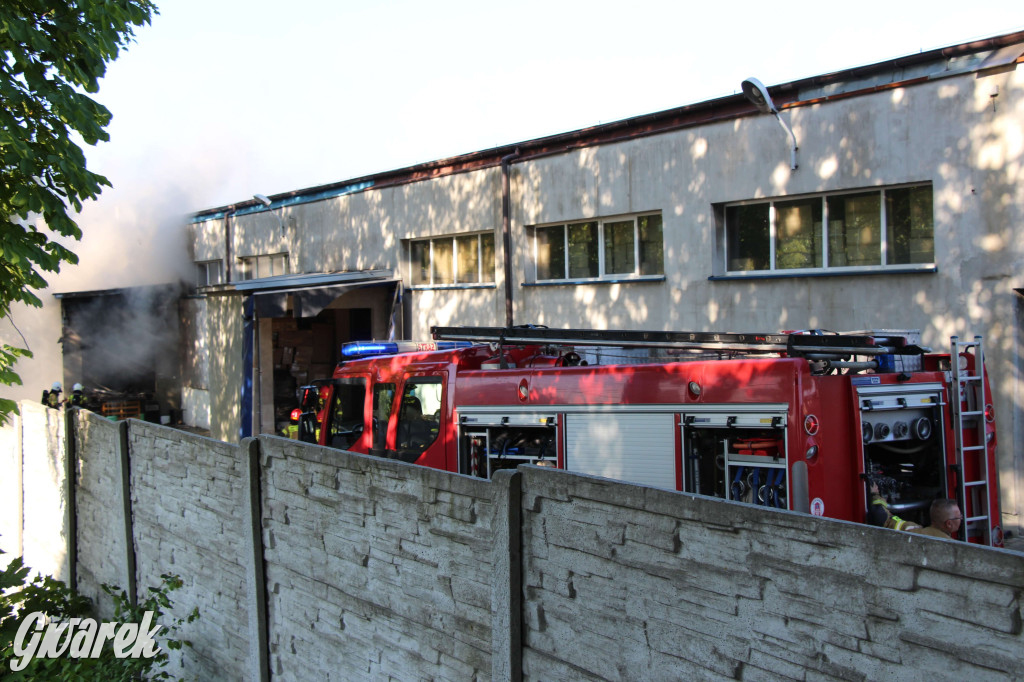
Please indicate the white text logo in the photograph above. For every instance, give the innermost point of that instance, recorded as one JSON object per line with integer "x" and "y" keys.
{"x": 82, "y": 638}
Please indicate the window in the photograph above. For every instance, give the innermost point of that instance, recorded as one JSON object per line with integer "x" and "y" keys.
{"x": 419, "y": 417}
{"x": 347, "y": 422}
{"x": 452, "y": 261}
{"x": 258, "y": 267}
{"x": 852, "y": 230}
{"x": 383, "y": 396}
{"x": 631, "y": 246}
{"x": 209, "y": 273}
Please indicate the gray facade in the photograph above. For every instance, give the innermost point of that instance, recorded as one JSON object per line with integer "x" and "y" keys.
{"x": 950, "y": 122}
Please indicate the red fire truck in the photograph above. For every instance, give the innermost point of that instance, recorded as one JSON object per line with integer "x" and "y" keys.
{"x": 804, "y": 421}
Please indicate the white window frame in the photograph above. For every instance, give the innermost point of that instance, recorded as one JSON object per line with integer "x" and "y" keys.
{"x": 250, "y": 266}
{"x": 203, "y": 270}
{"x": 485, "y": 272}
{"x": 723, "y": 232}
{"x": 602, "y": 275}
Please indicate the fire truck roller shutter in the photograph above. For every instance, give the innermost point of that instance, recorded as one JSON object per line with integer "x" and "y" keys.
{"x": 799, "y": 496}
{"x": 634, "y": 447}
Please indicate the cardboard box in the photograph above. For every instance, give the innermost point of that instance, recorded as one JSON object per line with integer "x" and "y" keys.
{"x": 321, "y": 370}
{"x": 295, "y": 338}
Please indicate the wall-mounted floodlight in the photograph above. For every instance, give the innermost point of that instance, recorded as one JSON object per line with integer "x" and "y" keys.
{"x": 263, "y": 199}
{"x": 758, "y": 95}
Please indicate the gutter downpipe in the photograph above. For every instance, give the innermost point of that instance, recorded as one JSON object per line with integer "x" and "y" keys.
{"x": 506, "y": 230}
{"x": 227, "y": 243}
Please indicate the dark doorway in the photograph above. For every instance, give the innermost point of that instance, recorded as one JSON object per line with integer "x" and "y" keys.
{"x": 122, "y": 345}
{"x": 307, "y": 349}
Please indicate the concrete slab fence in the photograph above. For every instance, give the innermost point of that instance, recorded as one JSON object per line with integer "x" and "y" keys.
{"x": 309, "y": 563}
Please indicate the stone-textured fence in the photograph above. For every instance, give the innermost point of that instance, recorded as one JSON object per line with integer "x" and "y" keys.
{"x": 309, "y": 563}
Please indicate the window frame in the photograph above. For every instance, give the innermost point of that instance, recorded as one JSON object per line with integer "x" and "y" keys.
{"x": 485, "y": 274}
{"x": 724, "y": 236}
{"x": 249, "y": 266}
{"x": 204, "y": 267}
{"x": 341, "y": 397}
{"x": 424, "y": 439}
{"x": 603, "y": 276}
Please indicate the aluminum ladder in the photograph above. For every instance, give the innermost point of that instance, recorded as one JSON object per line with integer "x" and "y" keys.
{"x": 968, "y": 411}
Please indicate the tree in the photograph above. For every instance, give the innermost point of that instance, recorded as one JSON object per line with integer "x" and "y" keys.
{"x": 53, "y": 53}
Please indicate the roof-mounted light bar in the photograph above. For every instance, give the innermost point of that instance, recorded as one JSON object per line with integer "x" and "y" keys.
{"x": 359, "y": 349}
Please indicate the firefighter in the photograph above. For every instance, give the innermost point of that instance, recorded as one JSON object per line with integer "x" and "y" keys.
{"x": 292, "y": 430}
{"x": 78, "y": 398}
{"x": 945, "y": 518}
{"x": 879, "y": 514}
{"x": 51, "y": 398}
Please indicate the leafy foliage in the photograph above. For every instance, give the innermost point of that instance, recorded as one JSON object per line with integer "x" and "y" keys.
{"x": 52, "y": 52}
{"x": 20, "y": 597}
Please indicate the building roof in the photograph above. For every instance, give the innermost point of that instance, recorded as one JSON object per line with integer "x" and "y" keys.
{"x": 990, "y": 54}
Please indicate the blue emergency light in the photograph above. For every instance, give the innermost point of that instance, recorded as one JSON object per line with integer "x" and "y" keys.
{"x": 365, "y": 348}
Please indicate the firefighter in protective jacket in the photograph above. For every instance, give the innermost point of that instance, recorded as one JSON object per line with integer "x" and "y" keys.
{"x": 51, "y": 398}
{"x": 78, "y": 398}
{"x": 879, "y": 514}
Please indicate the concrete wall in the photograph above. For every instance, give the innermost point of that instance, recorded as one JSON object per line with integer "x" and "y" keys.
{"x": 308, "y": 563}
{"x": 377, "y": 570}
{"x": 103, "y": 552}
{"x": 187, "y": 493}
{"x": 624, "y": 582}
{"x": 10, "y": 490}
{"x": 224, "y": 316}
{"x": 44, "y": 534}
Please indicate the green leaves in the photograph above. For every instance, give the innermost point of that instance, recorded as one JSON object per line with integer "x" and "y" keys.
{"x": 8, "y": 356}
{"x": 52, "y": 53}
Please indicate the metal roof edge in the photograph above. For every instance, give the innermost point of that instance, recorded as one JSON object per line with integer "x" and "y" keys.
{"x": 117, "y": 291}
{"x": 294, "y": 282}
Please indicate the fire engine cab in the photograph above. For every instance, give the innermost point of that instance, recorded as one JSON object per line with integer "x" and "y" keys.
{"x": 805, "y": 421}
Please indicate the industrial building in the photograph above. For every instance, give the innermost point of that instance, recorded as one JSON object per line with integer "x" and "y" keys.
{"x": 887, "y": 196}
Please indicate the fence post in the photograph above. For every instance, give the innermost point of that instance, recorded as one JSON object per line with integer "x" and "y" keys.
{"x": 70, "y": 494}
{"x": 507, "y": 588}
{"x": 126, "y": 510}
{"x": 256, "y": 590}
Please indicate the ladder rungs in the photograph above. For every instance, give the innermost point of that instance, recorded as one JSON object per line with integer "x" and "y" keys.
{"x": 972, "y": 448}
{"x": 972, "y": 519}
{"x": 971, "y": 484}
{"x": 972, "y": 413}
